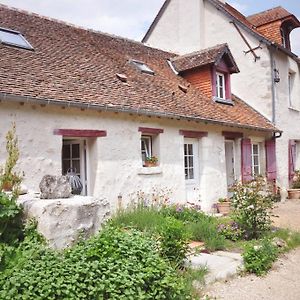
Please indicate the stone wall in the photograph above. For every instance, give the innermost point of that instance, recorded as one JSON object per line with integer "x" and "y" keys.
{"x": 63, "y": 221}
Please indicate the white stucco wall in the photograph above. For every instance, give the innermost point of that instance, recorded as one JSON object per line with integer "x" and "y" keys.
{"x": 253, "y": 83}
{"x": 177, "y": 32}
{"x": 114, "y": 162}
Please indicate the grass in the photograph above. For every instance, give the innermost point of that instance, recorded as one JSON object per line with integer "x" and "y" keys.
{"x": 140, "y": 217}
{"x": 198, "y": 226}
{"x": 194, "y": 277}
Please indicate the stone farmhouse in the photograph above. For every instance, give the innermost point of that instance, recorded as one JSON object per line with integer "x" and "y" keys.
{"x": 269, "y": 78}
{"x": 102, "y": 104}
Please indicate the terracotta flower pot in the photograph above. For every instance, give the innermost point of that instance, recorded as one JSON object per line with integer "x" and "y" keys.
{"x": 224, "y": 208}
{"x": 150, "y": 164}
{"x": 294, "y": 194}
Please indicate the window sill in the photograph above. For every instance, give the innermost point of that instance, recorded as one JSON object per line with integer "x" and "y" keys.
{"x": 294, "y": 109}
{"x": 149, "y": 170}
{"x": 223, "y": 101}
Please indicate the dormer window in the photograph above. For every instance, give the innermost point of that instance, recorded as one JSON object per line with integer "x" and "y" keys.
{"x": 14, "y": 38}
{"x": 220, "y": 86}
{"x": 221, "y": 90}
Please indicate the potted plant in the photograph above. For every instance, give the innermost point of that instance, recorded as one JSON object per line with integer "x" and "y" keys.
{"x": 151, "y": 161}
{"x": 224, "y": 206}
{"x": 294, "y": 192}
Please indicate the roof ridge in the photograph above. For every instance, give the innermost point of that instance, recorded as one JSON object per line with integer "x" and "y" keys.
{"x": 265, "y": 11}
{"x": 62, "y": 22}
{"x": 201, "y": 51}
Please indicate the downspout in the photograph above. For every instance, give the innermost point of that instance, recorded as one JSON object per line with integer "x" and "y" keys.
{"x": 273, "y": 86}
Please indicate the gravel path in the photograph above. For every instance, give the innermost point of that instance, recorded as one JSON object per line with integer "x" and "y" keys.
{"x": 282, "y": 282}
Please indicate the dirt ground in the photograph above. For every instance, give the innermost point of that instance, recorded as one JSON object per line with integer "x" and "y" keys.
{"x": 282, "y": 282}
{"x": 289, "y": 214}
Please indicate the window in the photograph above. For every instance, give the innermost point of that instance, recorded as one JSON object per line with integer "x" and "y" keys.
{"x": 220, "y": 86}
{"x": 74, "y": 157}
{"x": 142, "y": 67}
{"x": 255, "y": 160}
{"x": 14, "y": 38}
{"x": 146, "y": 147}
{"x": 189, "y": 163}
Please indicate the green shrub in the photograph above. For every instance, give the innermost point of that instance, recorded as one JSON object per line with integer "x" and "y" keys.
{"x": 252, "y": 207}
{"x": 173, "y": 240}
{"x": 116, "y": 264}
{"x": 10, "y": 219}
{"x": 259, "y": 258}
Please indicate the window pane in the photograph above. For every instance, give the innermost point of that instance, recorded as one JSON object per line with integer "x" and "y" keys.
{"x": 66, "y": 164}
{"x": 191, "y": 161}
{"x": 190, "y": 149}
{"x": 255, "y": 160}
{"x": 76, "y": 166}
{"x": 66, "y": 151}
{"x": 75, "y": 151}
{"x": 256, "y": 170}
{"x": 191, "y": 173}
{"x": 185, "y": 162}
{"x": 185, "y": 149}
{"x": 255, "y": 149}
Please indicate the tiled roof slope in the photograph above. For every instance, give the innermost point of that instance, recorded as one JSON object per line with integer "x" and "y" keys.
{"x": 201, "y": 58}
{"x": 71, "y": 64}
{"x": 271, "y": 15}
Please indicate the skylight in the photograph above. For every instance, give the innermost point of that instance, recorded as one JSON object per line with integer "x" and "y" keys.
{"x": 13, "y": 38}
{"x": 142, "y": 67}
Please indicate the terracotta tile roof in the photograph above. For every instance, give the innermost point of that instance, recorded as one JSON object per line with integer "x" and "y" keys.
{"x": 268, "y": 16}
{"x": 203, "y": 57}
{"x": 73, "y": 65}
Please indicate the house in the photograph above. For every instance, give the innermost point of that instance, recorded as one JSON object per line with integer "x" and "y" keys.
{"x": 101, "y": 104}
{"x": 269, "y": 78}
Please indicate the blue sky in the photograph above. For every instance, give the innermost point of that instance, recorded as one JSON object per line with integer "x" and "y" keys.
{"x": 131, "y": 18}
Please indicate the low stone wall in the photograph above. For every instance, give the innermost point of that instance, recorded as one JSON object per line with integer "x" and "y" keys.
{"x": 61, "y": 221}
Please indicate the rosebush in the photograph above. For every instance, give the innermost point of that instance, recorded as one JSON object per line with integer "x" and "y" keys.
{"x": 252, "y": 204}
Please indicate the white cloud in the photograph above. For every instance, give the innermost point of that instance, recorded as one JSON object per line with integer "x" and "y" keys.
{"x": 239, "y": 6}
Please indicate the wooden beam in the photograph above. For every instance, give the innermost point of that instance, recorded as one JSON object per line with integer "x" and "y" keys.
{"x": 150, "y": 130}
{"x": 80, "y": 132}
{"x": 193, "y": 134}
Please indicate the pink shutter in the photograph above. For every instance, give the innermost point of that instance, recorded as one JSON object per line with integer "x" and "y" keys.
{"x": 271, "y": 159}
{"x": 292, "y": 158}
{"x": 246, "y": 160}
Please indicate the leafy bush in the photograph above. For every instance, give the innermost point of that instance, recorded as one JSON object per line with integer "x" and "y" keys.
{"x": 10, "y": 219}
{"x": 116, "y": 264}
{"x": 259, "y": 258}
{"x": 252, "y": 207}
{"x": 173, "y": 240}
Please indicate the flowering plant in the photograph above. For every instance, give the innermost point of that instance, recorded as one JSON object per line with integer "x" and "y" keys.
{"x": 252, "y": 207}
{"x": 230, "y": 230}
{"x": 152, "y": 159}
